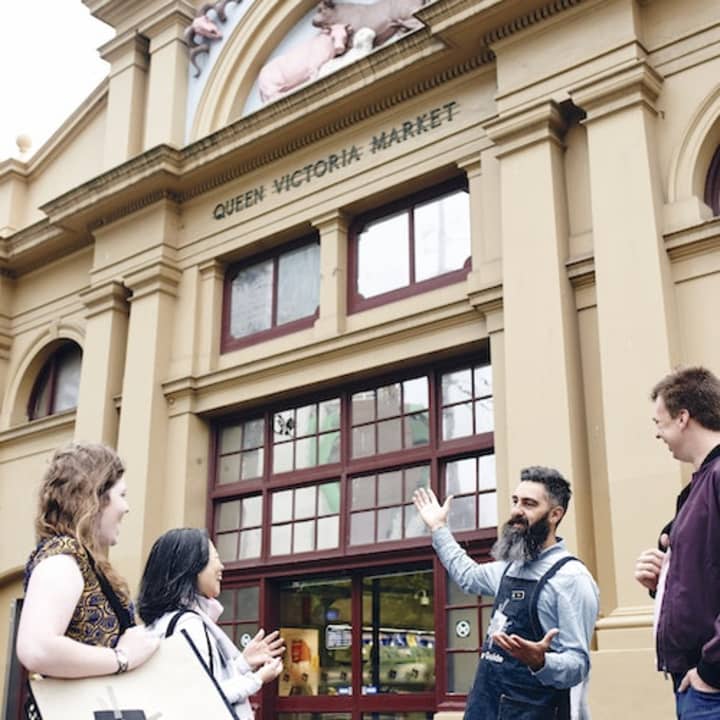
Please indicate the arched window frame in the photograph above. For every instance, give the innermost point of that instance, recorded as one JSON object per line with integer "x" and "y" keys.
{"x": 47, "y": 379}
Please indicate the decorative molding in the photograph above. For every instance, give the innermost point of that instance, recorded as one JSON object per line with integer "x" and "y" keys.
{"x": 519, "y": 129}
{"x": 694, "y": 241}
{"x": 335, "y": 220}
{"x": 528, "y": 20}
{"x": 110, "y": 296}
{"x": 581, "y": 271}
{"x": 212, "y": 269}
{"x": 59, "y": 421}
{"x": 133, "y": 207}
{"x": 161, "y": 277}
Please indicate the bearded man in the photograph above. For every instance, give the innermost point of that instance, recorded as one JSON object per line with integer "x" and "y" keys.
{"x": 546, "y": 603}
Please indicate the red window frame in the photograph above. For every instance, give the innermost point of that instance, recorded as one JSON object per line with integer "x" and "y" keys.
{"x": 356, "y": 301}
{"x": 229, "y": 342}
{"x": 48, "y": 377}
{"x": 712, "y": 184}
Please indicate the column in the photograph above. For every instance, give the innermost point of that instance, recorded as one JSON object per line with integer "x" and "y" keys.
{"x": 103, "y": 362}
{"x": 142, "y": 440}
{"x": 128, "y": 60}
{"x": 333, "y": 229}
{"x": 635, "y": 322}
{"x": 543, "y": 396}
{"x": 6, "y": 292}
{"x": 167, "y": 86}
{"x": 210, "y": 314}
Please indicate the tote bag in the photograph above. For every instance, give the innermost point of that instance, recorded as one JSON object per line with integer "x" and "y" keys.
{"x": 174, "y": 684}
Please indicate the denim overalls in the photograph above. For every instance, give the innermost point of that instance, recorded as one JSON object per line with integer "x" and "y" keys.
{"x": 505, "y": 688}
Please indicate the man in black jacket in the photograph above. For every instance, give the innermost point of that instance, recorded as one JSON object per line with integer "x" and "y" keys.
{"x": 686, "y": 575}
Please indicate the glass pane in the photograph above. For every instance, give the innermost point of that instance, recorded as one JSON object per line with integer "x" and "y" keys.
{"x": 253, "y": 434}
{"x": 306, "y": 420}
{"x": 461, "y": 671}
{"x": 417, "y": 430}
{"x": 282, "y": 506}
{"x": 283, "y": 457}
{"x": 488, "y": 510}
{"x": 415, "y": 394}
{"x": 250, "y": 542}
{"x": 248, "y": 603}
{"x": 457, "y": 421}
{"x": 251, "y": 300}
{"x": 304, "y": 536}
{"x": 283, "y": 425}
{"x": 487, "y": 472}
{"x": 298, "y": 283}
{"x": 230, "y": 439}
{"x": 362, "y": 492}
{"x": 442, "y": 235}
{"x": 305, "y": 502}
{"x": 461, "y": 477}
{"x": 390, "y": 488}
{"x": 244, "y": 632}
{"x": 329, "y": 498}
{"x": 483, "y": 381}
{"x": 362, "y": 528}
{"x": 456, "y": 387}
{"x": 252, "y": 464}
{"x": 306, "y": 453}
{"x": 398, "y": 716}
{"x": 462, "y": 513}
{"x": 389, "y": 435}
{"x": 229, "y": 470}
{"x": 463, "y": 632}
{"x": 329, "y": 448}
{"x": 41, "y": 391}
{"x": 416, "y": 477}
{"x": 414, "y": 526}
{"x": 280, "y": 539}
{"x": 388, "y": 400}
{"x": 228, "y": 516}
{"x": 363, "y": 407}
{"x": 67, "y": 380}
{"x": 383, "y": 256}
{"x": 328, "y": 532}
{"x": 329, "y": 412}
{"x": 251, "y": 511}
{"x": 389, "y": 524}
{"x": 484, "y": 416}
{"x": 363, "y": 441}
{"x": 227, "y": 547}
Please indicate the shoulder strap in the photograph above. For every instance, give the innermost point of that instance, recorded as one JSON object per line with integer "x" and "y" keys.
{"x": 534, "y": 618}
{"x": 124, "y": 617}
{"x": 173, "y": 624}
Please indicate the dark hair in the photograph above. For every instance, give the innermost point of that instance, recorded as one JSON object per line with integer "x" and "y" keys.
{"x": 557, "y": 487}
{"x": 694, "y": 389}
{"x": 169, "y": 581}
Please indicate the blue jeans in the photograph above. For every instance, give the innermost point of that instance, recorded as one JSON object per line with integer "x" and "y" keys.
{"x": 696, "y": 705}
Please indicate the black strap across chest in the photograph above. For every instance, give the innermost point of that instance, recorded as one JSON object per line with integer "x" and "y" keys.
{"x": 173, "y": 624}
{"x": 125, "y": 619}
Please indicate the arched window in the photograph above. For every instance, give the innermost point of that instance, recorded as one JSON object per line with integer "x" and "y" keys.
{"x": 57, "y": 385}
{"x": 712, "y": 184}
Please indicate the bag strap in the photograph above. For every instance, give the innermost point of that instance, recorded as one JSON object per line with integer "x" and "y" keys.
{"x": 124, "y": 617}
{"x": 173, "y": 623}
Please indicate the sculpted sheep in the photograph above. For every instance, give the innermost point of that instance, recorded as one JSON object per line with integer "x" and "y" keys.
{"x": 302, "y": 62}
{"x": 362, "y": 44}
{"x": 385, "y": 17}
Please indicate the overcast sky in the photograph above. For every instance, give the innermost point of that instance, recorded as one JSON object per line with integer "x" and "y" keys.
{"x": 48, "y": 65}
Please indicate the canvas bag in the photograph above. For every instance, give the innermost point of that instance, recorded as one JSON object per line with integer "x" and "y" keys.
{"x": 174, "y": 684}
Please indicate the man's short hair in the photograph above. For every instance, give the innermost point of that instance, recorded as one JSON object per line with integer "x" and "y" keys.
{"x": 694, "y": 389}
{"x": 556, "y": 486}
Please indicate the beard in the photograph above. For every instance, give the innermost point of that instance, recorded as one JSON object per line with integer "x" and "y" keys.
{"x": 521, "y": 542}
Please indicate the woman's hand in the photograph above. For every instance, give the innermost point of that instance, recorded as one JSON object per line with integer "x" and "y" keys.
{"x": 139, "y": 645}
{"x": 263, "y": 648}
{"x": 270, "y": 670}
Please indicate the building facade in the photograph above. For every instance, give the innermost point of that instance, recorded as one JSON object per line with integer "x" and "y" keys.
{"x": 474, "y": 248}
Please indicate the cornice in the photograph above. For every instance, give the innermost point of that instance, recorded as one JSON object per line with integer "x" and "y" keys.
{"x": 111, "y": 295}
{"x": 130, "y": 47}
{"x": 694, "y": 241}
{"x": 161, "y": 277}
{"x": 488, "y": 299}
{"x": 59, "y": 421}
{"x": 519, "y": 128}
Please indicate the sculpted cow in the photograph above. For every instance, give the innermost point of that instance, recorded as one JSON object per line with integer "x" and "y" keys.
{"x": 385, "y": 17}
{"x": 302, "y": 62}
{"x": 362, "y": 44}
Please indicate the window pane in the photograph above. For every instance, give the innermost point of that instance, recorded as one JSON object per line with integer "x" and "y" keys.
{"x": 305, "y": 502}
{"x": 67, "y": 382}
{"x": 457, "y": 421}
{"x": 228, "y": 516}
{"x": 251, "y": 511}
{"x": 417, "y": 430}
{"x": 298, "y": 283}
{"x": 248, "y": 603}
{"x": 253, "y": 434}
{"x": 230, "y": 439}
{"x": 306, "y": 420}
{"x": 388, "y": 400}
{"x": 414, "y": 525}
{"x": 330, "y": 414}
{"x": 306, "y": 453}
{"x": 462, "y": 513}
{"x": 456, "y": 387}
{"x": 390, "y": 524}
{"x": 362, "y": 528}
{"x": 390, "y": 488}
{"x": 461, "y": 477}
{"x": 229, "y": 470}
{"x": 329, "y": 498}
{"x": 250, "y": 541}
{"x": 328, "y": 532}
{"x": 383, "y": 256}
{"x": 280, "y": 540}
{"x": 463, "y": 632}
{"x": 415, "y": 395}
{"x": 227, "y": 547}
{"x": 416, "y": 477}
{"x": 363, "y": 407}
{"x": 251, "y": 300}
{"x": 461, "y": 671}
{"x": 362, "y": 492}
{"x": 282, "y": 506}
{"x": 487, "y": 472}
{"x": 483, "y": 381}
{"x": 488, "y": 510}
{"x": 389, "y": 435}
{"x": 283, "y": 457}
{"x": 484, "y": 418}
{"x": 252, "y": 464}
{"x": 283, "y": 426}
{"x": 442, "y": 235}
{"x": 329, "y": 448}
{"x": 363, "y": 441}
{"x": 304, "y": 536}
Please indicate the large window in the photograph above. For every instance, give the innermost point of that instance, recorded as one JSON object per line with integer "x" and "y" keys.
{"x": 271, "y": 294}
{"x": 712, "y": 184}
{"x": 58, "y": 384}
{"x": 411, "y": 246}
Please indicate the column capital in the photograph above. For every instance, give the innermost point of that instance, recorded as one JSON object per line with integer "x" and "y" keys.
{"x": 162, "y": 277}
{"x": 471, "y": 165}
{"x": 126, "y": 50}
{"x": 111, "y": 295}
{"x": 334, "y": 220}
{"x": 517, "y": 129}
{"x": 168, "y": 24}
{"x": 212, "y": 269}
{"x": 636, "y": 84}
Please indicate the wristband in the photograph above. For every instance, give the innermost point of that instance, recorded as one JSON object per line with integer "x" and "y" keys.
{"x": 122, "y": 661}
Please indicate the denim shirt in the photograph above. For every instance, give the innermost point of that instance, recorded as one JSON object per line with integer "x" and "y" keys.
{"x": 569, "y": 602}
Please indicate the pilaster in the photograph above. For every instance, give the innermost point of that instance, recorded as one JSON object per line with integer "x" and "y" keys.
{"x": 333, "y": 229}
{"x": 210, "y": 307}
{"x": 6, "y": 296}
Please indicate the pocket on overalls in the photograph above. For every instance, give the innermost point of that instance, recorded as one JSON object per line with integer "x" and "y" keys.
{"x": 511, "y": 709}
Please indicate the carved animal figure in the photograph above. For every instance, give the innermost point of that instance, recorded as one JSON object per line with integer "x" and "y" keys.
{"x": 362, "y": 44}
{"x": 385, "y": 17}
{"x": 203, "y": 30}
{"x": 302, "y": 62}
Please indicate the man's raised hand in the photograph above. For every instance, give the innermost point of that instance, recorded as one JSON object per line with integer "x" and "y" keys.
{"x": 433, "y": 514}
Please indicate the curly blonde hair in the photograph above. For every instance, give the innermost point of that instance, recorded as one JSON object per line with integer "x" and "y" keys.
{"x": 73, "y": 494}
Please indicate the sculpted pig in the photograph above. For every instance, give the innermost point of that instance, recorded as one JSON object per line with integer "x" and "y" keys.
{"x": 362, "y": 44}
{"x": 385, "y": 17}
{"x": 301, "y": 62}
